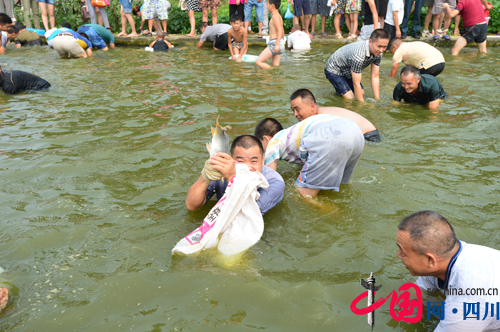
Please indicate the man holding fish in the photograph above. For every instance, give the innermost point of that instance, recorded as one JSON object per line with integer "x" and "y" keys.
{"x": 220, "y": 169}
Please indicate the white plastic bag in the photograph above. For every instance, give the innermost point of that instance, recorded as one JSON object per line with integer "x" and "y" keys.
{"x": 235, "y": 223}
{"x": 183, "y": 5}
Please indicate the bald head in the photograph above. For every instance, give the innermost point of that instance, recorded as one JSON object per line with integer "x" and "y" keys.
{"x": 430, "y": 232}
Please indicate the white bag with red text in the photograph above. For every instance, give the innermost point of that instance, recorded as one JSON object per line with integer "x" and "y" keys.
{"x": 235, "y": 223}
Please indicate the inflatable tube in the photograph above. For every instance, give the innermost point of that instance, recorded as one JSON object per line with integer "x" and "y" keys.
{"x": 248, "y": 58}
{"x": 40, "y": 32}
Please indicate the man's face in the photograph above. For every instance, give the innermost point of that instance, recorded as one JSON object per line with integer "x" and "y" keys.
{"x": 415, "y": 262}
{"x": 378, "y": 47}
{"x": 302, "y": 109}
{"x": 236, "y": 25}
{"x": 251, "y": 157}
{"x": 202, "y": 29}
{"x": 3, "y": 27}
{"x": 410, "y": 83}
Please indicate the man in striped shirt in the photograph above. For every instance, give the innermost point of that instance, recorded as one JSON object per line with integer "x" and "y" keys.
{"x": 343, "y": 68}
{"x": 428, "y": 59}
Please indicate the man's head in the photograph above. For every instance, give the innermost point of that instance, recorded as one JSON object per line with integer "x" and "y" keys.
{"x": 203, "y": 26}
{"x": 236, "y": 22}
{"x": 273, "y": 5}
{"x": 5, "y": 21}
{"x": 66, "y": 25}
{"x": 20, "y": 26}
{"x": 395, "y": 44}
{"x": 410, "y": 78}
{"x": 160, "y": 35}
{"x": 12, "y": 32}
{"x": 426, "y": 242}
{"x": 266, "y": 129}
{"x": 247, "y": 149}
{"x": 84, "y": 35}
{"x": 295, "y": 27}
{"x": 379, "y": 39}
{"x": 137, "y": 11}
{"x": 303, "y": 104}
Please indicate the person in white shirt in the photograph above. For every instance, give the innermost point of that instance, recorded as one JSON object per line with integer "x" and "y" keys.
{"x": 467, "y": 274}
{"x": 394, "y": 18}
{"x": 298, "y": 40}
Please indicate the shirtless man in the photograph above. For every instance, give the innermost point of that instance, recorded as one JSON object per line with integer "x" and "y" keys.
{"x": 237, "y": 38}
{"x": 276, "y": 33}
{"x": 304, "y": 105}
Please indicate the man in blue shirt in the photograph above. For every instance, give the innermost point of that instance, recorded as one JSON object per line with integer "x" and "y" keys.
{"x": 248, "y": 150}
{"x": 94, "y": 37}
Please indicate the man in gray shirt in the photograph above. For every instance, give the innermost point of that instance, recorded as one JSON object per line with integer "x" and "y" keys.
{"x": 343, "y": 68}
{"x": 216, "y": 34}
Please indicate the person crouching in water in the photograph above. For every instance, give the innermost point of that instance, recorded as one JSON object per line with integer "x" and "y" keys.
{"x": 160, "y": 44}
{"x": 237, "y": 38}
{"x": 15, "y": 81}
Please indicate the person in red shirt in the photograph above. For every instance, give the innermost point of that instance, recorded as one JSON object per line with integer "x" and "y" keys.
{"x": 475, "y": 26}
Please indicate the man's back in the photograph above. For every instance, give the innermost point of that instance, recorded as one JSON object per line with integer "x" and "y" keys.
{"x": 363, "y": 123}
{"x": 418, "y": 54}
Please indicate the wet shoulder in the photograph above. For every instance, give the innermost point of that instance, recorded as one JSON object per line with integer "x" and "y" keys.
{"x": 271, "y": 174}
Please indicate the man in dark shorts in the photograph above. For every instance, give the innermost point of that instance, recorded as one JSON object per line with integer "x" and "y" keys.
{"x": 343, "y": 68}
{"x": 302, "y": 9}
{"x": 419, "y": 89}
{"x": 216, "y": 33}
{"x": 15, "y": 81}
{"x": 475, "y": 26}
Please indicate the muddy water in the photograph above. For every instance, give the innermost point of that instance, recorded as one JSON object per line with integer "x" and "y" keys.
{"x": 94, "y": 174}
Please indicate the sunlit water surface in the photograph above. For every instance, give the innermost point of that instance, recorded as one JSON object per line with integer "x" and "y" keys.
{"x": 95, "y": 171}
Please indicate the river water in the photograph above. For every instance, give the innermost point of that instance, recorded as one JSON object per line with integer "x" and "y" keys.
{"x": 94, "y": 175}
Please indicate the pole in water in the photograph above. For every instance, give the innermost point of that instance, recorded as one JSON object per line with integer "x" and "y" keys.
{"x": 370, "y": 286}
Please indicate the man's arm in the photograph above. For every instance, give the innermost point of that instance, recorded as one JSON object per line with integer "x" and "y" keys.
{"x": 272, "y": 196}
{"x": 89, "y": 51}
{"x": 112, "y": 45}
{"x": 356, "y": 82}
{"x": 396, "y": 24}
{"x": 394, "y": 70}
{"x": 373, "y": 8}
{"x": 243, "y": 51}
{"x": 200, "y": 44}
{"x": 375, "y": 81}
{"x": 273, "y": 165}
{"x": 2, "y": 50}
{"x": 434, "y": 105}
{"x": 152, "y": 43}
{"x": 196, "y": 196}
{"x": 451, "y": 13}
{"x": 486, "y": 4}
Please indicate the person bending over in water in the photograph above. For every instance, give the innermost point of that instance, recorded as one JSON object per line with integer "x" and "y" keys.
{"x": 15, "y": 81}
{"x": 246, "y": 149}
{"x": 216, "y": 33}
{"x": 27, "y": 37}
{"x": 276, "y": 34}
{"x": 237, "y": 38}
{"x": 419, "y": 89}
{"x": 160, "y": 44}
{"x": 327, "y": 146}
{"x": 69, "y": 43}
{"x": 304, "y": 105}
{"x": 11, "y": 33}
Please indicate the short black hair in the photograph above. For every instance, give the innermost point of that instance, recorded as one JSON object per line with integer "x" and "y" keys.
{"x": 5, "y": 19}
{"x": 160, "y": 34}
{"x": 379, "y": 34}
{"x": 276, "y": 3}
{"x": 136, "y": 10}
{"x": 20, "y": 25}
{"x": 246, "y": 142}
{"x": 84, "y": 35}
{"x": 304, "y": 94}
{"x": 429, "y": 232}
{"x": 12, "y": 29}
{"x": 66, "y": 25}
{"x": 267, "y": 127}
{"x": 203, "y": 25}
{"x": 410, "y": 70}
{"x": 235, "y": 17}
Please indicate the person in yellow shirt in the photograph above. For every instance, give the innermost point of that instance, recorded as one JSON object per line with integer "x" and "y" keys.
{"x": 426, "y": 58}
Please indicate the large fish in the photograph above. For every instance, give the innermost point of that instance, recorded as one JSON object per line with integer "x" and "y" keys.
{"x": 220, "y": 140}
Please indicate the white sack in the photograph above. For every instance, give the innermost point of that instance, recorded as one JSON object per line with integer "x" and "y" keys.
{"x": 235, "y": 223}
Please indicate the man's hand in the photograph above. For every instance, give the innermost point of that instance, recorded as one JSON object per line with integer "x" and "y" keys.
{"x": 398, "y": 34}
{"x": 224, "y": 163}
{"x": 489, "y": 7}
{"x": 277, "y": 47}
